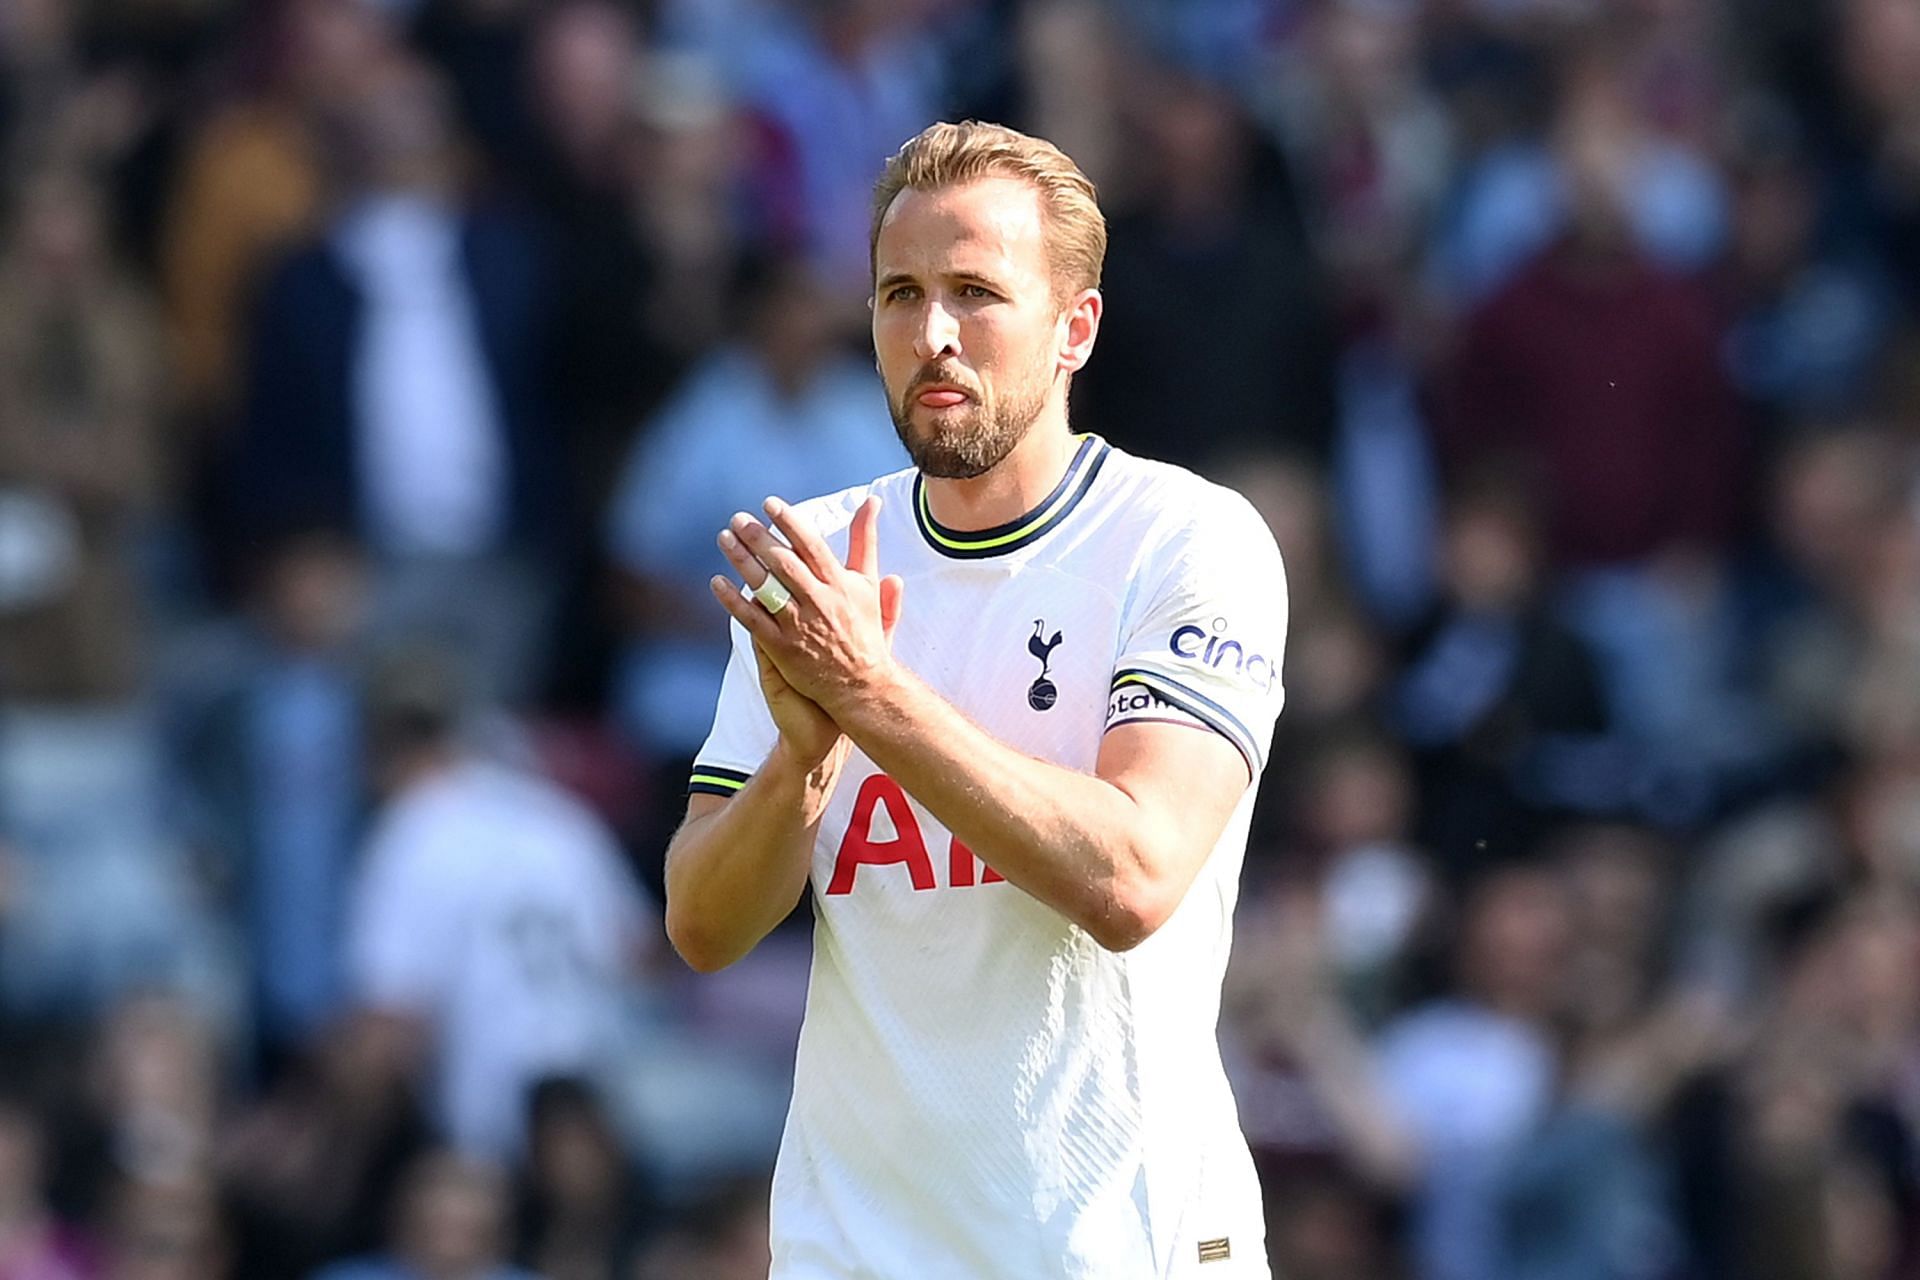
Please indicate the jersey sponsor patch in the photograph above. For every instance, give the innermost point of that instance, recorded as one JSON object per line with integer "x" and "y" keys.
{"x": 1217, "y": 648}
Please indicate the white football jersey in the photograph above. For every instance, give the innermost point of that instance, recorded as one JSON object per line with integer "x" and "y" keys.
{"x": 982, "y": 1091}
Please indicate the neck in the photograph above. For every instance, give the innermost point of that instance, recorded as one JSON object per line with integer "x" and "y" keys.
{"x": 1015, "y": 485}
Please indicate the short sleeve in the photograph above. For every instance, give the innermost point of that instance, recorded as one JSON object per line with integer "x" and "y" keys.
{"x": 1207, "y": 639}
{"x": 743, "y": 730}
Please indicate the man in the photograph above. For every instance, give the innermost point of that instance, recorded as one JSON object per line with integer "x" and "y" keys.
{"x": 495, "y": 931}
{"x": 1021, "y": 798}
{"x": 397, "y": 388}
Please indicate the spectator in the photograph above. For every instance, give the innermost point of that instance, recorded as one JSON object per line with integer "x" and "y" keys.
{"x": 481, "y": 45}
{"x": 34, "y": 1243}
{"x": 149, "y": 1104}
{"x": 1595, "y": 352}
{"x": 251, "y": 184}
{"x": 100, "y": 894}
{"x": 168, "y": 1230}
{"x": 685, "y": 157}
{"x": 266, "y": 746}
{"x": 724, "y": 1237}
{"x": 313, "y": 1167}
{"x": 579, "y": 1211}
{"x": 1327, "y": 1228}
{"x": 1827, "y": 656}
{"x": 78, "y": 439}
{"x": 1373, "y": 146}
{"x": 1520, "y": 198}
{"x": 781, "y": 408}
{"x": 1376, "y": 885}
{"x": 1501, "y": 703}
{"x": 494, "y": 925}
{"x": 1470, "y": 1076}
{"x": 450, "y": 1224}
{"x": 1799, "y": 1139}
{"x": 608, "y": 364}
{"x": 396, "y": 389}
{"x": 1596, "y": 374}
{"x": 832, "y": 94}
{"x": 1810, "y": 319}
{"x": 1218, "y": 336}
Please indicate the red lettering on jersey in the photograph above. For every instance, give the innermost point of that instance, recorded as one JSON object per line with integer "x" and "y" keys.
{"x": 856, "y": 848}
{"x": 960, "y": 867}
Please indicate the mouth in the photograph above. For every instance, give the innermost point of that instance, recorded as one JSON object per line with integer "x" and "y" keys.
{"x": 941, "y": 395}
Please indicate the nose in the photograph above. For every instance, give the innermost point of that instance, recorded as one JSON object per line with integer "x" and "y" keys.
{"x": 938, "y": 334}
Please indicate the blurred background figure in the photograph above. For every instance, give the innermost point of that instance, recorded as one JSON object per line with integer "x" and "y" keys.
{"x": 581, "y": 1209}
{"x": 494, "y": 926}
{"x": 724, "y": 1236}
{"x": 1567, "y": 347}
{"x": 396, "y": 388}
{"x": 265, "y": 739}
{"x": 1501, "y": 702}
{"x": 34, "y": 1242}
{"x": 81, "y": 455}
{"x": 165, "y": 1230}
{"x": 251, "y": 183}
{"x": 782, "y": 407}
{"x": 1218, "y": 335}
{"x": 450, "y": 1224}
{"x": 314, "y": 1165}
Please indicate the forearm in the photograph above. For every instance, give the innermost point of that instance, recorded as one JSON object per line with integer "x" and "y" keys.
{"x": 1076, "y": 842}
{"x": 734, "y": 874}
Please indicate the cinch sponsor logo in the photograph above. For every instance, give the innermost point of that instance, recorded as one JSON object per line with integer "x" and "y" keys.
{"x": 1217, "y": 650}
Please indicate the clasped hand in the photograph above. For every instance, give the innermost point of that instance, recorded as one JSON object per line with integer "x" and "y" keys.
{"x": 833, "y": 640}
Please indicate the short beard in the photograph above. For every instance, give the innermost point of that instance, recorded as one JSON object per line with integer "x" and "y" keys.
{"x": 972, "y": 446}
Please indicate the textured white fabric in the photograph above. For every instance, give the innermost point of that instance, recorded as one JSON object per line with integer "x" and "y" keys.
{"x": 981, "y": 1089}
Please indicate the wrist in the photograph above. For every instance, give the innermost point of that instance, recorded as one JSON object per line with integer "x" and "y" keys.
{"x": 812, "y": 774}
{"x": 873, "y": 698}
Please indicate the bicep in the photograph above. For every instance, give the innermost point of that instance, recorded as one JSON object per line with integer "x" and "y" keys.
{"x": 1185, "y": 781}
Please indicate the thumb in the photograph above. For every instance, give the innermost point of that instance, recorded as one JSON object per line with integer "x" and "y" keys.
{"x": 893, "y": 591}
{"x": 863, "y": 539}
{"x": 769, "y": 672}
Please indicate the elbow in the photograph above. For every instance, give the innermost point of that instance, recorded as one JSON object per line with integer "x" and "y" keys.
{"x": 1128, "y": 914}
{"x": 702, "y": 952}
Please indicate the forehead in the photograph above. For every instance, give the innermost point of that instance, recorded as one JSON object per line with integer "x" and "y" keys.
{"x": 993, "y": 226}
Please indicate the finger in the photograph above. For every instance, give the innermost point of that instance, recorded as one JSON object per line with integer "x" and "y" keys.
{"x": 748, "y": 564}
{"x": 863, "y": 539}
{"x": 893, "y": 590}
{"x": 760, "y": 624}
{"x": 809, "y": 546}
{"x": 778, "y": 558}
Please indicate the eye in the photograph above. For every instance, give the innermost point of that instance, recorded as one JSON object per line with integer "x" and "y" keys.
{"x": 975, "y": 291}
{"x": 902, "y": 293}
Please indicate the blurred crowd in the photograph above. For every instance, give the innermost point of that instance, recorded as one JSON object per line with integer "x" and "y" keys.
{"x": 374, "y": 375}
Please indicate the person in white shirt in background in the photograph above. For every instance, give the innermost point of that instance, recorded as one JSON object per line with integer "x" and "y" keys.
{"x": 495, "y": 929}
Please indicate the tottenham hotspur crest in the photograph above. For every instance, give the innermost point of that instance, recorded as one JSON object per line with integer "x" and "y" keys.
{"x": 1041, "y": 693}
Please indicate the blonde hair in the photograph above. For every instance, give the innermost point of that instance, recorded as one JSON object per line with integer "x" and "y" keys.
{"x": 944, "y": 155}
